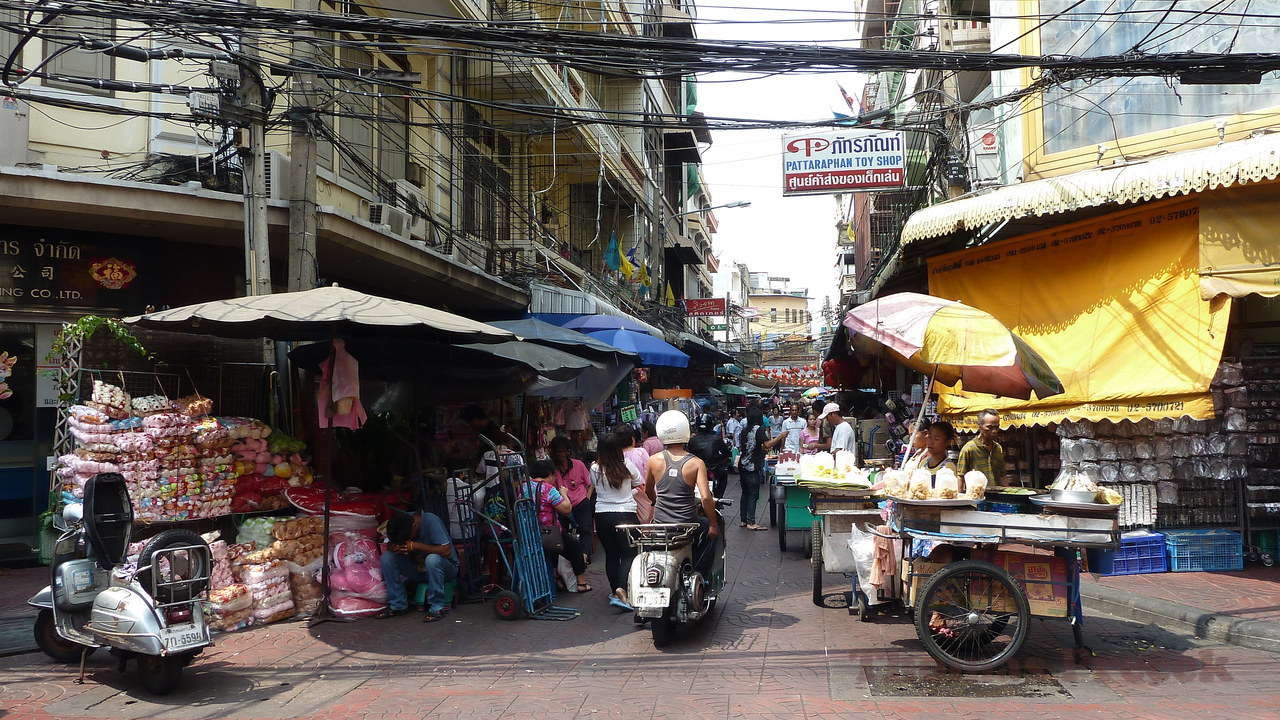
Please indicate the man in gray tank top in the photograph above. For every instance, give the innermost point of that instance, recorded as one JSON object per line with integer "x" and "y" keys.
{"x": 670, "y": 479}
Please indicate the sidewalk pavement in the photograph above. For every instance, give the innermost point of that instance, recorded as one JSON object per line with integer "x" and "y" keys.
{"x": 1237, "y": 608}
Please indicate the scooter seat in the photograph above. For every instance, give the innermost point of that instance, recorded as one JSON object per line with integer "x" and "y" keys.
{"x": 108, "y": 518}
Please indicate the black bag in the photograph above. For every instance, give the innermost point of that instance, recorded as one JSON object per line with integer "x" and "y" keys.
{"x": 552, "y": 539}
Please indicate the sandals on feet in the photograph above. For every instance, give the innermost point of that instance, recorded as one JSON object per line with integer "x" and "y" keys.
{"x": 583, "y": 587}
{"x": 433, "y": 616}
{"x": 756, "y": 527}
{"x": 390, "y": 613}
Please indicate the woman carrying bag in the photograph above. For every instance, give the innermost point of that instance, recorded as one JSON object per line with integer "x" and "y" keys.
{"x": 615, "y": 479}
{"x": 552, "y": 506}
{"x": 753, "y": 441}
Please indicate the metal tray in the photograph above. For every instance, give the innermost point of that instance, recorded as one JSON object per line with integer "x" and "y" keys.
{"x": 1049, "y": 502}
{"x": 952, "y": 503}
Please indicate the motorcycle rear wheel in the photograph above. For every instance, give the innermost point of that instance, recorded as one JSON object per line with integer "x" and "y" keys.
{"x": 664, "y": 630}
{"x": 161, "y": 675}
{"x": 53, "y": 644}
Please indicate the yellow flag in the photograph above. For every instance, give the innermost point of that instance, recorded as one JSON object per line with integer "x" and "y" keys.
{"x": 849, "y": 232}
{"x": 628, "y": 269}
{"x": 643, "y": 277}
{"x": 670, "y": 298}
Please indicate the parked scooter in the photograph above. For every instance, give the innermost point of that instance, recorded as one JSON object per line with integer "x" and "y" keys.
{"x": 150, "y": 612}
{"x": 664, "y": 586}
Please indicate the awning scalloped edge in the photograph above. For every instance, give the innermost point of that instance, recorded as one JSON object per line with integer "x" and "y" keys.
{"x": 1236, "y": 163}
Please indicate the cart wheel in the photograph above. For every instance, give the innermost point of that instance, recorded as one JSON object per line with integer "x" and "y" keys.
{"x": 773, "y": 512}
{"x": 507, "y": 605}
{"x": 972, "y": 616}
{"x": 815, "y": 559}
{"x": 782, "y": 535}
{"x": 1268, "y": 560}
{"x": 864, "y": 610}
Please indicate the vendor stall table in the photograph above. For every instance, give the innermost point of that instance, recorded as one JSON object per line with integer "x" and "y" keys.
{"x": 972, "y": 610}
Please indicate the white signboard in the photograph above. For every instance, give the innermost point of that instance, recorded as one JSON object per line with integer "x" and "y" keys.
{"x": 844, "y": 161}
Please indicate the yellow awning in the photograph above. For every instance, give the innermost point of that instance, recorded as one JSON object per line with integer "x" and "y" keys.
{"x": 1240, "y": 241}
{"x": 1198, "y": 406}
{"x": 1235, "y": 163}
{"x": 1113, "y": 304}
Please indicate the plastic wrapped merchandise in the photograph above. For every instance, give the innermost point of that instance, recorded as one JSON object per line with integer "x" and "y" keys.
{"x": 1199, "y": 446}
{"x": 1143, "y": 450}
{"x": 1234, "y": 420}
{"x": 1236, "y": 397}
{"x": 1092, "y": 471}
{"x": 257, "y": 530}
{"x": 1145, "y": 426}
{"x": 1124, "y": 450}
{"x": 946, "y": 485}
{"x": 1218, "y": 469}
{"x": 975, "y": 485}
{"x": 921, "y": 485}
{"x": 1130, "y": 473}
{"x": 1167, "y": 493}
{"x": 1229, "y": 374}
{"x": 1216, "y": 445}
{"x": 268, "y": 584}
{"x": 1163, "y": 448}
{"x": 1068, "y": 429}
{"x": 1086, "y": 430}
{"x": 1183, "y": 470}
{"x": 1200, "y": 468}
{"x": 1089, "y": 450}
{"x": 1110, "y": 473}
{"x": 1071, "y": 450}
{"x": 1150, "y": 473}
{"x": 1182, "y": 425}
{"x": 1237, "y": 445}
{"x": 305, "y": 587}
{"x": 355, "y": 574}
{"x": 1164, "y": 426}
{"x": 232, "y": 608}
{"x": 1124, "y": 429}
{"x": 1237, "y": 468}
{"x": 1108, "y": 451}
{"x": 1164, "y": 471}
{"x": 1104, "y": 429}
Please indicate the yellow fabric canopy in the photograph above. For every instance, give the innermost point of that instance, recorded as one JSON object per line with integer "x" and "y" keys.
{"x": 1239, "y": 252}
{"x": 1112, "y": 304}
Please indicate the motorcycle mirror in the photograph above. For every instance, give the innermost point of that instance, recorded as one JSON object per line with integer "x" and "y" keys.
{"x": 72, "y": 514}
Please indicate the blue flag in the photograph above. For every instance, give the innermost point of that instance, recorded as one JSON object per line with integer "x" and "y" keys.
{"x": 612, "y": 254}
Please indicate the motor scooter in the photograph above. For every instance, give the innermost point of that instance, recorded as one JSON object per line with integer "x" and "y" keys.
{"x": 150, "y": 612}
{"x": 664, "y": 586}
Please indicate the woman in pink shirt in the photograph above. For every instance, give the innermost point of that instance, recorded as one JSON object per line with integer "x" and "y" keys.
{"x": 574, "y": 482}
{"x": 810, "y": 436}
{"x": 639, "y": 457}
{"x": 652, "y": 444}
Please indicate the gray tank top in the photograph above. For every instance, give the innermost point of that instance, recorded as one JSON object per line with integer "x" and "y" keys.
{"x": 676, "y": 502}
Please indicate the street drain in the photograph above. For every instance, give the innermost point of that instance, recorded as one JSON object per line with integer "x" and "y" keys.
{"x": 938, "y": 682}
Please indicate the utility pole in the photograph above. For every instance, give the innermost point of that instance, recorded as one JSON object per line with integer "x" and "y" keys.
{"x": 950, "y": 82}
{"x": 257, "y": 261}
{"x": 303, "y": 262}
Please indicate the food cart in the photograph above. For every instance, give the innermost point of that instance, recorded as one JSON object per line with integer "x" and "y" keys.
{"x": 973, "y": 579}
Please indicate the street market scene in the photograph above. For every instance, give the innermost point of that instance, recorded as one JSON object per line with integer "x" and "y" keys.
{"x": 888, "y": 360}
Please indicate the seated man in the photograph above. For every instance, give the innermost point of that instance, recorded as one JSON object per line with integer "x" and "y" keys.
{"x": 419, "y": 550}
{"x": 670, "y": 479}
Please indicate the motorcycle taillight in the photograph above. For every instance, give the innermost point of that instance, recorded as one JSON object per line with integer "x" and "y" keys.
{"x": 653, "y": 575}
{"x": 178, "y": 614}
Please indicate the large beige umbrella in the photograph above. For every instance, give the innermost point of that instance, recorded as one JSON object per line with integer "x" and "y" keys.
{"x": 320, "y": 314}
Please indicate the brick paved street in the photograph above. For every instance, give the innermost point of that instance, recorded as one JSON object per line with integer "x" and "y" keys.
{"x": 768, "y": 652}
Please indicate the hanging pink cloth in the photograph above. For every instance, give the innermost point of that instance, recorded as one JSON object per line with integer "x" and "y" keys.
{"x": 339, "y": 394}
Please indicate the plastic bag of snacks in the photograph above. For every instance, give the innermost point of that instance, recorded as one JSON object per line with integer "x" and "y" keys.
{"x": 232, "y": 608}
{"x": 921, "y": 485}
{"x": 257, "y": 531}
{"x": 268, "y": 584}
{"x": 305, "y": 586}
{"x": 946, "y": 486}
{"x": 975, "y": 485}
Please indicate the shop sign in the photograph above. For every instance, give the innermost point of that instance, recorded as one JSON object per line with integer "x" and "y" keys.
{"x": 844, "y": 161}
{"x": 628, "y": 414}
{"x": 62, "y": 269}
{"x": 719, "y": 327}
{"x": 704, "y": 307}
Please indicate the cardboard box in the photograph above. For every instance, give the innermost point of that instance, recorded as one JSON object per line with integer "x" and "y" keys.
{"x": 1042, "y": 528}
{"x": 923, "y": 569}
{"x": 1043, "y": 578}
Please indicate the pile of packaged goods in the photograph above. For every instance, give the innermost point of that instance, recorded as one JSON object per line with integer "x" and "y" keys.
{"x": 355, "y": 566}
{"x": 179, "y": 462}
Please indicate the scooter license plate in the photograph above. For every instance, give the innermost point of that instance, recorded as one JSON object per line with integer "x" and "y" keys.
{"x": 651, "y": 597}
{"x": 181, "y": 636}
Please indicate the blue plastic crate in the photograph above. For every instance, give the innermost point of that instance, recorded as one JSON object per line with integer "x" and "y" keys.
{"x": 1006, "y": 508}
{"x": 1204, "y": 550}
{"x": 1140, "y": 554}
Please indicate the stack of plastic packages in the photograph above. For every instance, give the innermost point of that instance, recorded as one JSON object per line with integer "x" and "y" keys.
{"x": 300, "y": 544}
{"x": 96, "y": 449}
{"x": 232, "y": 607}
{"x": 268, "y": 584}
{"x": 216, "y": 466}
{"x": 220, "y": 576}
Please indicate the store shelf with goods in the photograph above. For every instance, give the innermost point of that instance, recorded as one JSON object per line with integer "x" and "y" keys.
{"x": 1258, "y": 398}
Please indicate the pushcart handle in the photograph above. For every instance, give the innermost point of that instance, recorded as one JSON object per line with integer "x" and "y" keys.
{"x": 519, "y": 446}
{"x": 868, "y": 528}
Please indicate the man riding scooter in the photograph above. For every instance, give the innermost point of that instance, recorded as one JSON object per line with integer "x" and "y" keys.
{"x": 670, "y": 479}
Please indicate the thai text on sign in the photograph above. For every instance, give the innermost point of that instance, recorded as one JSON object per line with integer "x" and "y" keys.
{"x": 845, "y": 161}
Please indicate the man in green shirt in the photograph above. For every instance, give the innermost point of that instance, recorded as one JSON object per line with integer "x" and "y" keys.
{"x": 983, "y": 453}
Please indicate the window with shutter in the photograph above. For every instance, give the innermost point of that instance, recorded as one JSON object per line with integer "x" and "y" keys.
{"x": 71, "y": 61}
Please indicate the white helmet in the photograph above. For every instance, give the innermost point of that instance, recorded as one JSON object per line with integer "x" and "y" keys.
{"x": 673, "y": 427}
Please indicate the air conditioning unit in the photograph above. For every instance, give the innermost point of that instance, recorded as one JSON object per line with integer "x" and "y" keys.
{"x": 393, "y": 217}
{"x": 277, "y": 175}
{"x": 413, "y": 200}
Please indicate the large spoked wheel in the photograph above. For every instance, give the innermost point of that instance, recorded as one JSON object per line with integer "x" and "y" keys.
{"x": 507, "y": 605}
{"x": 53, "y": 644}
{"x": 664, "y": 630}
{"x": 972, "y": 616}
{"x": 161, "y": 675}
{"x": 815, "y": 559}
